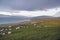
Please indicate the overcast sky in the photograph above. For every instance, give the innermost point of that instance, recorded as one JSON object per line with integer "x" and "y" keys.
{"x": 30, "y": 7}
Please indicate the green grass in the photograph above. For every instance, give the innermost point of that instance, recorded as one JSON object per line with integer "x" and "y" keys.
{"x": 34, "y": 33}
{"x": 30, "y": 32}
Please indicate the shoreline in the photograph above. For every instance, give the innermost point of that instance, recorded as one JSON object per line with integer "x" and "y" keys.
{"x": 11, "y": 24}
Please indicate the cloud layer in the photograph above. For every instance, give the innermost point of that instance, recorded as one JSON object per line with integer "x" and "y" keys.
{"x": 49, "y": 12}
{"x": 28, "y": 5}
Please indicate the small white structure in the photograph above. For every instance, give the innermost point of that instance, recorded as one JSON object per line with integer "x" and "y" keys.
{"x": 9, "y": 32}
{"x": 10, "y": 26}
{"x": 35, "y": 24}
{"x": 3, "y": 33}
{"x": 1, "y": 29}
{"x": 17, "y": 27}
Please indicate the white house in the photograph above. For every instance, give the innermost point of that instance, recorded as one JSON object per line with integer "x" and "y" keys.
{"x": 17, "y": 27}
{"x": 9, "y": 32}
{"x": 3, "y": 33}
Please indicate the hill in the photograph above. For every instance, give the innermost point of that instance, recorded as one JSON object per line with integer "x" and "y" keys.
{"x": 44, "y": 16}
{"x": 47, "y": 21}
{"x": 36, "y": 29}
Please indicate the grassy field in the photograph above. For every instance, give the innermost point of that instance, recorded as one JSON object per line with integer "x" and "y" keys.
{"x": 44, "y": 29}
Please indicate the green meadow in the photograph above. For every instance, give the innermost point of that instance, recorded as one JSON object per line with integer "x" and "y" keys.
{"x": 44, "y": 29}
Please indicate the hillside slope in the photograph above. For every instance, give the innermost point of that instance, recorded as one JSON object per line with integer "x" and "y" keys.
{"x": 36, "y": 29}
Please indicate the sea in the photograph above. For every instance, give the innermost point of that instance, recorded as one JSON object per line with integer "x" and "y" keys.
{"x": 9, "y": 21}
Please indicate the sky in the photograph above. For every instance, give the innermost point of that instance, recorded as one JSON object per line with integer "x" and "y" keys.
{"x": 30, "y": 8}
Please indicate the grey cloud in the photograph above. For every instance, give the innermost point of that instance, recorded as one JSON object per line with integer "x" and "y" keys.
{"x": 28, "y": 5}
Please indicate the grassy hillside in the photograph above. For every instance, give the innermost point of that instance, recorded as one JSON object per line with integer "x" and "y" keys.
{"x": 48, "y": 22}
{"x": 37, "y": 29}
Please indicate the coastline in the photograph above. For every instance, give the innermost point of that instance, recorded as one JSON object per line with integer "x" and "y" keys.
{"x": 13, "y": 23}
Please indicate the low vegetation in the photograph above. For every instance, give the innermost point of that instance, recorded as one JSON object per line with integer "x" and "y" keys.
{"x": 38, "y": 29}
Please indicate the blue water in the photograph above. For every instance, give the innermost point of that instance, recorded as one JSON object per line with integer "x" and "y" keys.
{"x": 7, "y": 21}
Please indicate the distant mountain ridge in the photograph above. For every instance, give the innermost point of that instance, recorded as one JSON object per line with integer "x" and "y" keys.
{"x": 12, "y": 19}
{"x": 44, "y": 16}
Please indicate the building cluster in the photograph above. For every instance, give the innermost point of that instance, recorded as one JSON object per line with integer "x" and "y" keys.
{"x": 7, "y": 31}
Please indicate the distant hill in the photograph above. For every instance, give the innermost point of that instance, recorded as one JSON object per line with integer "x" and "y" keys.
{"x": 37, "y": 29}
{"x": 43, "y": 16}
